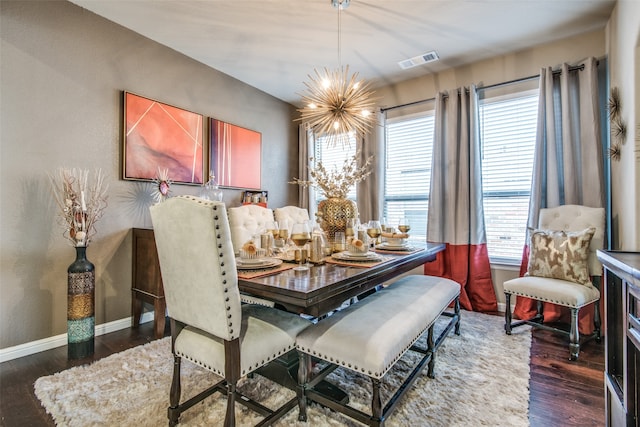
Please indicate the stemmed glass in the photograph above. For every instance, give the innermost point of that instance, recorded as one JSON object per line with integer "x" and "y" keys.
{"x": 301, "y": 235}
{"x": 374, "y": 230}
{"x": 404, "y": 225}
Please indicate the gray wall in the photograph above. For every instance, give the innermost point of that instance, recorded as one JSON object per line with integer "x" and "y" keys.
{"x": 63, "y": 70}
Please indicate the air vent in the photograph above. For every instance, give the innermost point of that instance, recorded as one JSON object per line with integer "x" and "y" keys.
{"x": 419, "y": 60}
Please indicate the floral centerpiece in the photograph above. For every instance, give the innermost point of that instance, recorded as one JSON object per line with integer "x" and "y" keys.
{"x": 81, "y": 204}
{"x": 335, "y": 183}
{"x": 334, "y": 212}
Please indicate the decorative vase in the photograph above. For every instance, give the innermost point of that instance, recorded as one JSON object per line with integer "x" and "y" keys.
{"x": 80, "y": 306}
{"x": 333, "y": 214}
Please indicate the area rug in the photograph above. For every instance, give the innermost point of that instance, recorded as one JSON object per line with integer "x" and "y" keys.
{"x": 482, "y": 379}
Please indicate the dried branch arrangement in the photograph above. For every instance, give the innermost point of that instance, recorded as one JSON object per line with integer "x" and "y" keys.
{"x": 81, "y": 203}
{"x": 335, "y": 183}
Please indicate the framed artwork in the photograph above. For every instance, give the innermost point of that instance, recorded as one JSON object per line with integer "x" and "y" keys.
{"x": 158, "y": 136}
{"x": 235, "y": 155}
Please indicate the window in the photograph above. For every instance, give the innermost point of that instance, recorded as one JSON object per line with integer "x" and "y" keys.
{"x": 333, "y": 158}
{"x": 507, "y": 135}
{"x": 409, "y": 143}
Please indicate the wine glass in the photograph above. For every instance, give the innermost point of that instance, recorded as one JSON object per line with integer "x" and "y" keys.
{"x": 301, "y": 235}
{"x": 404, "y": 225}
{"x": 374, "y": 230}
{"x": 350, "y": 230}
{"x": 272, "y": 227}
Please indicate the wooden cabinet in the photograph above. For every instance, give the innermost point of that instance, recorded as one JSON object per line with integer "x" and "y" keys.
{"x": 622, "y": 337}
{"x": 146, "y": 281}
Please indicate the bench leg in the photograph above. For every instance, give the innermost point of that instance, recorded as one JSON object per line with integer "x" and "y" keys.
{"x": 431, "y": 347}
{"x": 303, "y": 378}
{"x": 376, "y": 404}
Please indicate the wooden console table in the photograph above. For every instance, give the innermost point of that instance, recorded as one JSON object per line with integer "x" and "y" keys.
{"x": 146, "y": 281}
{"x": 622, "y": 337}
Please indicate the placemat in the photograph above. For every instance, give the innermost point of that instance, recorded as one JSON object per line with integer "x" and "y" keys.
{"x": 252, "y": 274}
{"x": 407, "y": 251}
{"x": 362, "y": 264}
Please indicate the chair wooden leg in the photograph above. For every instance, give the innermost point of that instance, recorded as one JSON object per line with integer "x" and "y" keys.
{"x": 597, "y": 322}
{"x": 230, "y": 416}
{"x": 456, "y": 308}
{"x": 507, "y": 313}
{"x": 431, "y": 348}
{"x": 574, "y": 336}
{"x": 174, "y": 394}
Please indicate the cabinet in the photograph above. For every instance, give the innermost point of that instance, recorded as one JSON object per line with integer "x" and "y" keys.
{"x": 622, "y": 338}
{"x": 146, "y": 281}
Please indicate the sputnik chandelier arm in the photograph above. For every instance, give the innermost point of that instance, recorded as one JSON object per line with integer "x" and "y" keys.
{"x": 337, "y": 104}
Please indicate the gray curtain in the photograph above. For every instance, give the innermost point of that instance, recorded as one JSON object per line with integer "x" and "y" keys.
{"x": 370, "y": 192}
{"x": 456, "y": 212}
{"x": 568, "y": 162}
{"x": 305, "y": 151}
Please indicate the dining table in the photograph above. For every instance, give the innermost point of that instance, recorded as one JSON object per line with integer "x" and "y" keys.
{"x": 323, "y": 288}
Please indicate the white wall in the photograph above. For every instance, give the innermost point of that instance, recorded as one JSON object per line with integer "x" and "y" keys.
{"x": 623, "y": 44}
{"x": 62, "y": 73}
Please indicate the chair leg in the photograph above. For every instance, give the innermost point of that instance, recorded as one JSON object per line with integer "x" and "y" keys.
{"x": 174, "y": 394}
{"x": 507, "y": 313}
{"x": 597, "y": 322}
{"x": 456, "y": 309}
{"x": 230, "y": 416}
{"x": 574, "y": 336}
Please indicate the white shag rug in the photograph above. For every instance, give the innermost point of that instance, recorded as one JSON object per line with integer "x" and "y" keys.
{"x": 482, "y": 379}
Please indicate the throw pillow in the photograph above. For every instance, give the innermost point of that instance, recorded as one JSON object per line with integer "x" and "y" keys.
{"x": 560, "y": 255}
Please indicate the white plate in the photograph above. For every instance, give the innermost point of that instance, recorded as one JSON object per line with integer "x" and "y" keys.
{"x": 386, "y": 246}
{"x": 252, "y": 261}
{"x": 357, "y": 254}
{"x": 346, "y": 256}
{"x": 267, "y": 263}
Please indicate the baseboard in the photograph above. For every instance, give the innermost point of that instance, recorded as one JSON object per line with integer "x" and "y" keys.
{"x": 33, "y": 347}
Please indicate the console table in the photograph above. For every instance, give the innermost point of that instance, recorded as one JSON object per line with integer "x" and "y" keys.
{"x": 622, "y": 338}
{"x": 146, "y": 281}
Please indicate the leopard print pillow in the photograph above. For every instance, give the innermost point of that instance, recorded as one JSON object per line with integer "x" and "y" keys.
{"x": 560, "y": 255}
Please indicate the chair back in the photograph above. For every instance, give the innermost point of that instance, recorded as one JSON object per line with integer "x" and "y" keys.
{"x": 577, "y": 218}
{"x": 198, "y": 265}
{"x": 246, "y": 221}
{"x": 290, "y": 215}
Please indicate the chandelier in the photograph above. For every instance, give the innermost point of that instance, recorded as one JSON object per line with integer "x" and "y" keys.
{"x": 337, "y": 104}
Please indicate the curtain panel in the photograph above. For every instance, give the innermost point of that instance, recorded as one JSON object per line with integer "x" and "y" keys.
{"x": 568, "y": 163}
{"x": 370, "y": 192}
{"x": 456, "y": 213}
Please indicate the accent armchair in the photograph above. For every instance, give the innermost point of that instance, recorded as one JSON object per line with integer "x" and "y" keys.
{"x": 209, "y": 325}
{"x": 563, "y": 269}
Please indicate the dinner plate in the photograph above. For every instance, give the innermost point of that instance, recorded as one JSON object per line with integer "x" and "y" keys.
{"x": 267, "y": 263}
{"x": 253, "y": 261}
{"x": 388, "y": 247}
{"x": 346, "y": 256}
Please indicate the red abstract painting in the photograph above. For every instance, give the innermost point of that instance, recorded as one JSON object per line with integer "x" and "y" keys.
{"x": 160, "y": 136}
{"x": 235, "y": 155}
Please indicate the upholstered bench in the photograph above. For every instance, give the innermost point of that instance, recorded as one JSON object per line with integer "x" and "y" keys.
{"x": 370, "y": 336}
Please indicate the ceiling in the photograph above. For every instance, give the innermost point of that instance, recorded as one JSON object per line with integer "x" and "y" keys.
{"x": 274, "y": 45}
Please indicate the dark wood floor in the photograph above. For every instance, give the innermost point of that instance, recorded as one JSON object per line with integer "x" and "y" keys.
{"x": 563, "y": 393}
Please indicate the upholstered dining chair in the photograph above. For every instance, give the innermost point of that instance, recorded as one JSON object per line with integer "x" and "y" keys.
{"x": 290, "y": 215}
{"x": 246, "y": 221}
{"x": 209, "y": 325}
{"x": 563, "y": 269}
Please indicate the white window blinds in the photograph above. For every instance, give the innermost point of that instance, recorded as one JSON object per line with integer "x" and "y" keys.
{"x": 508, "y": 133}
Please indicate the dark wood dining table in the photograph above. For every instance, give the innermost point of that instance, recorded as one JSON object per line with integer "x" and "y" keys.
{"x": 325, "y": 287}
{"x": 322, "y": 289}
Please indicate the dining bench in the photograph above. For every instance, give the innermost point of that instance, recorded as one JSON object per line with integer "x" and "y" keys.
{"x": 370, "y": 336}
